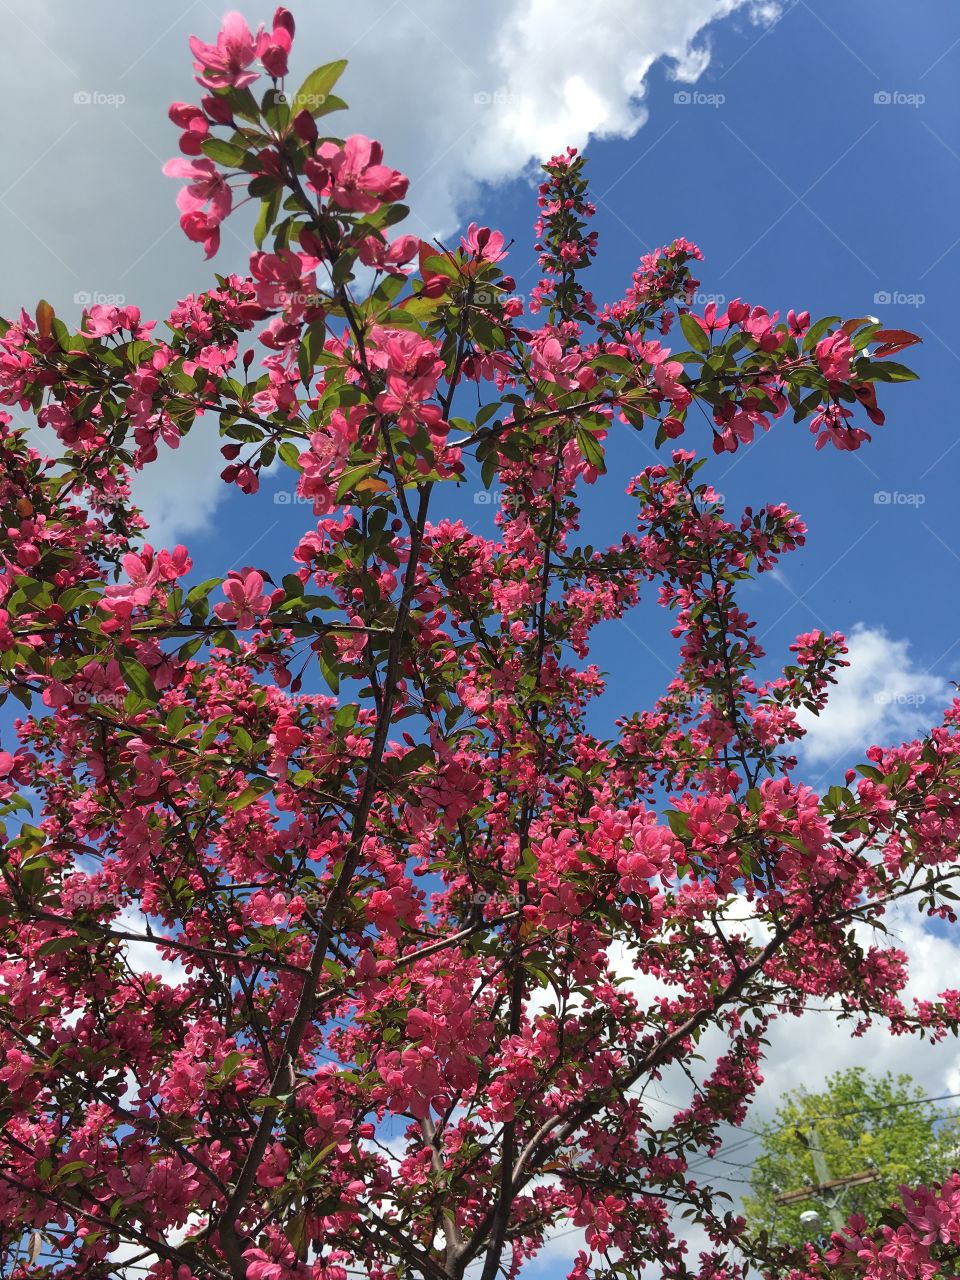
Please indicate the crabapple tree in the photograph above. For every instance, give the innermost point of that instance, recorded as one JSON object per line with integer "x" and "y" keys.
{"x": 435, "y": 937}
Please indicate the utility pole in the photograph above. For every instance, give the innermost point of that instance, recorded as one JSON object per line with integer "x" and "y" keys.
{"x": 827, "y": 1189}
{"x": 822, "y": 1170}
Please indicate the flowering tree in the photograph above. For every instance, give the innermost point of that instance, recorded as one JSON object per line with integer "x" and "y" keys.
{"x": 362, "y": 809}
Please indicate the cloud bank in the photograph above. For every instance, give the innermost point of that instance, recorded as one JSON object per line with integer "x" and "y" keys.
{"x": 459, "y": 99}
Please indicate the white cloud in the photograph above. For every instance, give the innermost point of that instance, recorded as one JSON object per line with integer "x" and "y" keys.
{"x": 806, "y": 1050}
{"x": 459, "y": 98}
{"x": 180, "y": 492}
{"x": 145, "y": 957}
{"x": 557, "y": 79}
{"x": 882, "y": 698}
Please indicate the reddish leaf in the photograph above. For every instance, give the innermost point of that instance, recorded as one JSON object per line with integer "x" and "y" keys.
{"x": 851, "y": 326}
{"x": 893, "y": 340}
{"x": 44, "y": 318}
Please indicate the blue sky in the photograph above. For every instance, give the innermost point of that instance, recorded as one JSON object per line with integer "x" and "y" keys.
{"x": 816, "y": 161}
{"x": 800, "y": 186}
{"x": 803, "y": 190}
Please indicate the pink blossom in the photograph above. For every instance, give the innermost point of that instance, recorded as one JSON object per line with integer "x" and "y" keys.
{"x": 275, "y": 48}
{"x": 832, "y": 423}
{"x": 207, "y": 185}
{"x": 759, "y": 325}
{"x": 143, "y": 573}
{"x": 834, "y": 356}
{"x": 353, "y": 177}
{"x": 285, "y": 280}
{"x": 245, "y": 599}
{"x": 374, "y": 252}
{"x": 225, "y": 63}
{"x": 483, "y": 243}
{"x": 550, "y": 361}
{"x": 194, "y": 123}
{"x": 204, "y": 228}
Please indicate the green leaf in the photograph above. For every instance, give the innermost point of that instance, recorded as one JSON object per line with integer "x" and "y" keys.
{"x": 590, "y": 448}
{"x": 694, "y": 334}
{"x": 809, "y": 404}
{"x": 818, "y": 330}
{"x": 190, "y": 649}
{"x": 223, "y": 152}
{"x": 527, "y": 868}
{"x": 333, "y": 103}
{"x": 329, "y": 672}
{"x": 310, "y": 348}
{"x": 211, "y": 731}
{"x": 390, "y": 287}
{"x": 264, "y": 185}
{"x": 257, "y": 789}
{"x": 57, "y": 945}
{"x": 230, "y": 1066}
{"x": 342, "y": 271}
{"x": 243, "y": 104}
{"x": 138, "y": 679}
{"x": 350, "y": 477}
{"x": 45, "y": 317}
{"x": 889, "y": 371}
{"x": 615, "y": 364}
{"x": 290, "y": 454}
{"x": 679, "y": 823}
{"x": 176, "y": 720}
{"x": 276, "y": 109}
{"x": 345, "y": 718}
{"x": 418, "y": 756}
{"x": 313, "y": 93}
{"x": 488, "y": 470}
{"x": 66, "y": 1169}
{"x": 266, "y": 217}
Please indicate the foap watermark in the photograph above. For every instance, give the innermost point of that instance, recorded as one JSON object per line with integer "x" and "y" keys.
{"x": 894, "y": 498}
{"x": 886, "y": 698}
{"x": 84, "y": 899}
{"x": 695, "y": 703}
{"x": 97, "y": 98}
{"x": 482, "y": 899}
{"x": 898, "y": 298}
{"x": 497, "y": 98}
{"x": 695, "y": 98}
{"x": 94, "y": 298}
{"x": 703, "y": 299}
{"x": 302, "y": 102}
{"x": 489, "y": 498}
{"x": 94, "y": 698}
{"x": 897, "y": 98}
{"x": 290, "y": 497}
{"x": 297, "y": 300}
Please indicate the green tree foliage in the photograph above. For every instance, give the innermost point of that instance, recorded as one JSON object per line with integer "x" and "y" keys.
{"x": 862, "y": 1121}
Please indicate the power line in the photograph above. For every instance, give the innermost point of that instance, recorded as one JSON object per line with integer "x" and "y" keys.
{"x": 699, "y": 1161}
{"x": 887, "y": 1106}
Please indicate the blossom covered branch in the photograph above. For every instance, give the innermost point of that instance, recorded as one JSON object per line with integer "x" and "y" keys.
{"x": 391, "y": 879}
